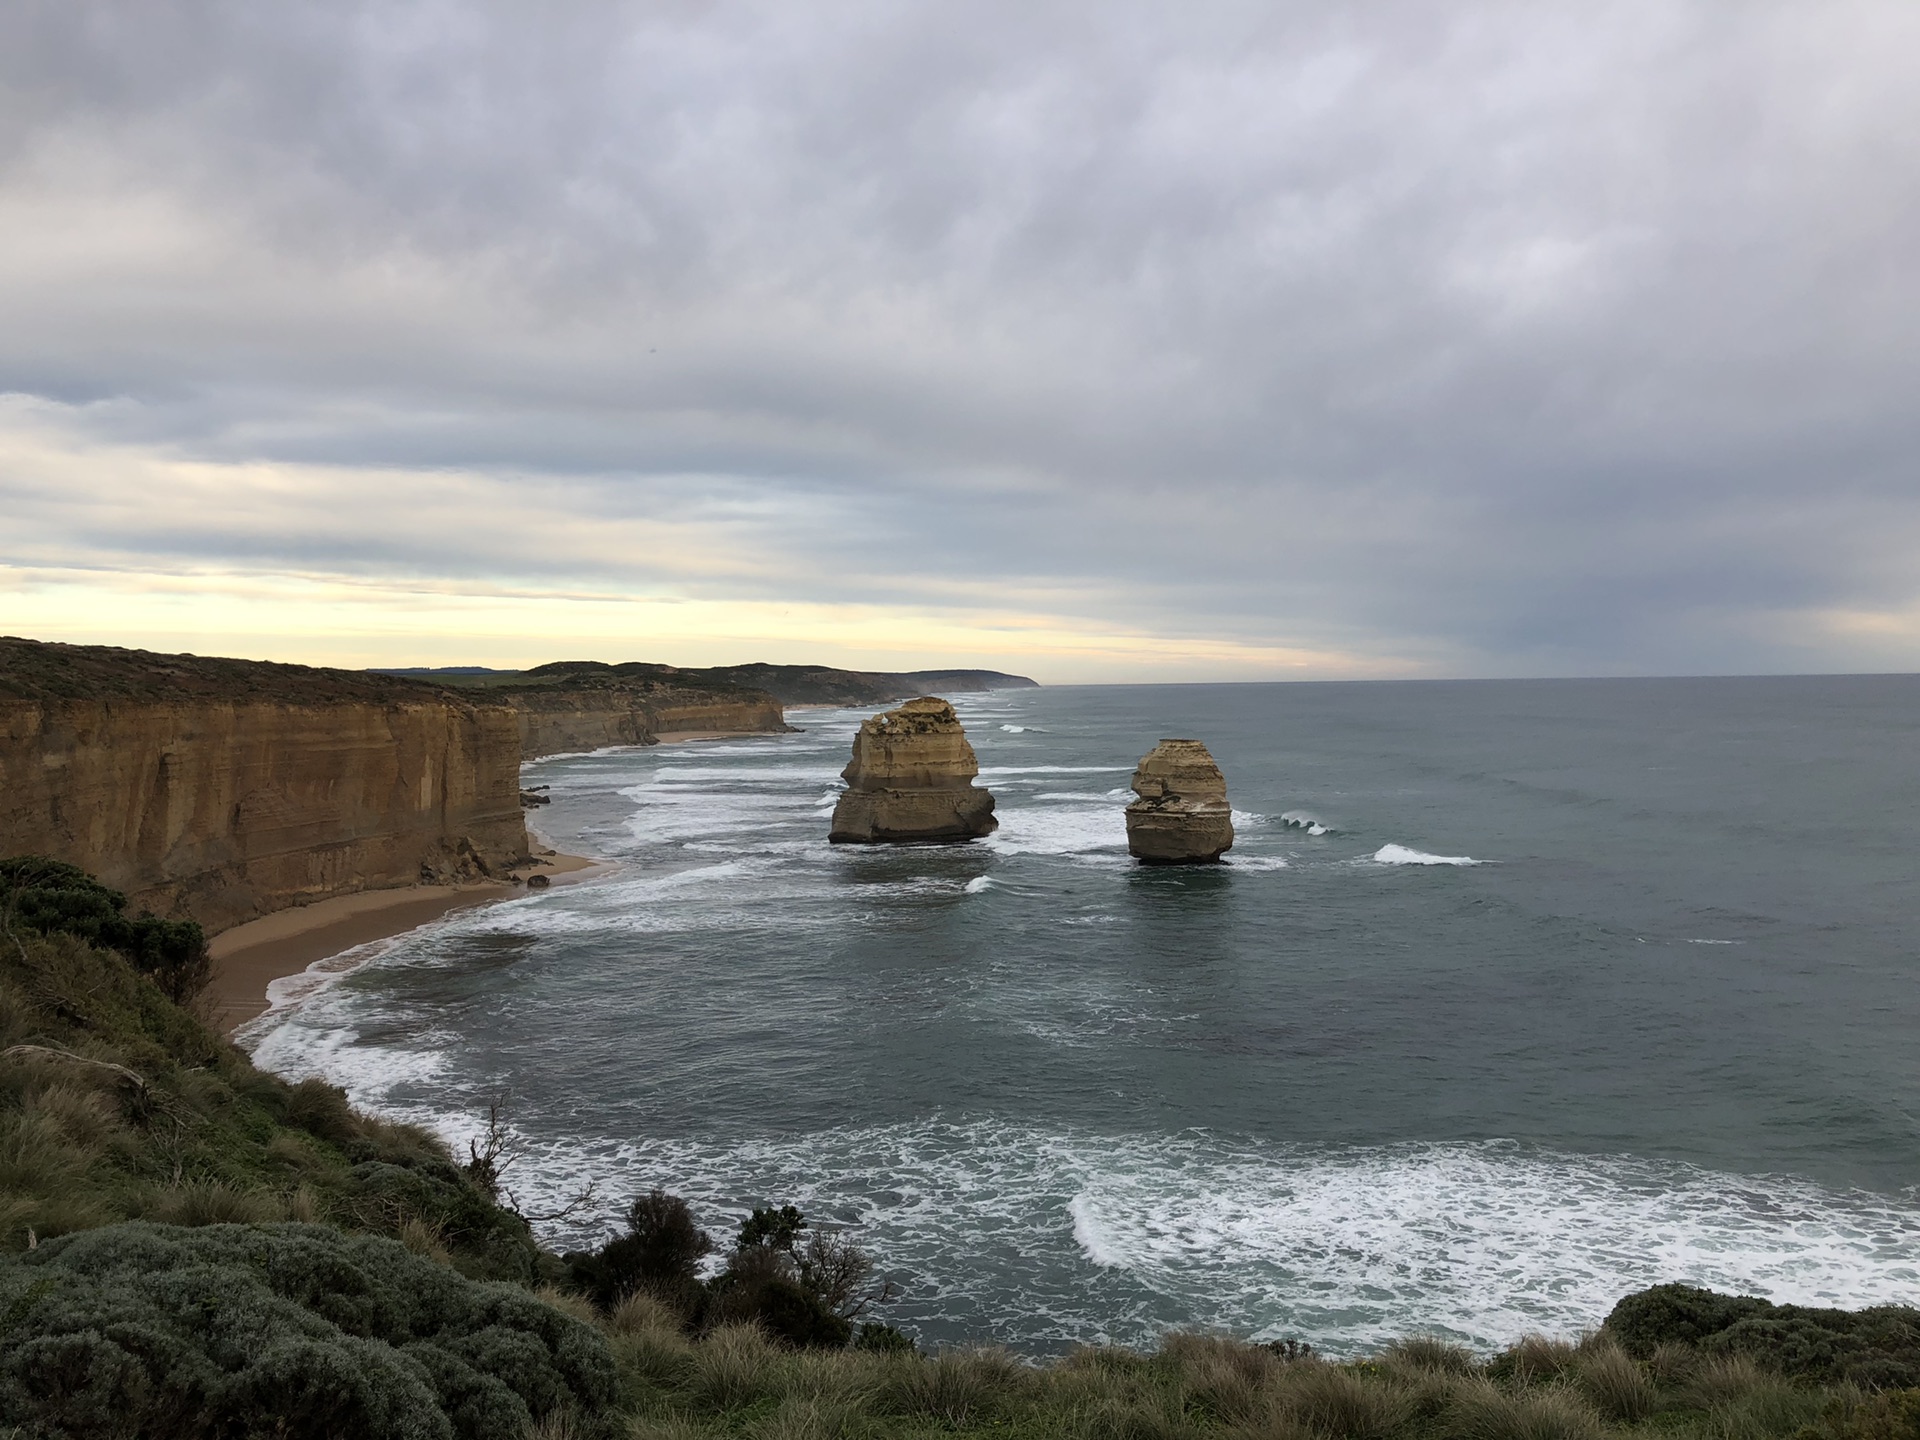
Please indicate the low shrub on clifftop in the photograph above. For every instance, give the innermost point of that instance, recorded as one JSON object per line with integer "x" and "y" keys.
{"x": 47, "y": 897}
{"x": 284, "y": 1330}
{"x": 1878, "y": 1347}
{"x": 117, "y": 1104}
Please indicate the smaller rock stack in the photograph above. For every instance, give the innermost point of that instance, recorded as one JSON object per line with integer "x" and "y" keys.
{"x": 1182, "y": 816}
{"x": 911, "y": 778}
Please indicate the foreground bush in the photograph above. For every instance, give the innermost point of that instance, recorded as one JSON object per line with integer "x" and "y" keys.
{"x": 1878, "y": 1348}
{"x": 807, "y": 1296}
{"x": 118, "y": 1104}
{"x": 284, "y": 1330}
{"x": 48, "y": 897}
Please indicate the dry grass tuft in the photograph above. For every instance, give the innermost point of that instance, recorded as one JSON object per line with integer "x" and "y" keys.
{"x": 1719, "y": 1380}
{"x": 1431, "y": 1354}
{"x": 641, "y": 1312}
{"x": 423, "y": 1238}
{"x": 955, "y": 1385}
{"x": 1337, "y": 1402}
{"x": 1225, "y": 1378}
{"x": 568, "y": 1302}
{"x": 1614, "y": 1382}
{"x": 798, "y": 1419}
{"x": 1535, "y": 1358}
{"x": 1481, "y": 1410}
{"x": 732, "y": 1367}
{"x": 215, "y": 1203}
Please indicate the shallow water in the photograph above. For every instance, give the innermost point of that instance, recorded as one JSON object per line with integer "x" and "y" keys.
{"x": 1515, "y": 996}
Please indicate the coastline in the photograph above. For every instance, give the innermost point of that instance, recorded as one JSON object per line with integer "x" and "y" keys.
{"x": 250, "y": 957}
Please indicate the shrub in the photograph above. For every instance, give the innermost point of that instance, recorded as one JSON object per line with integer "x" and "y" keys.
{"x": 1878, "y": 1348}
{"x": 762, "y": 1285}
{"x": 52, "y": 898}
{"x": 293, "y": 1330}
{"x": 884, "y": 1339}
{"x": 1675, "y": 1314}
{"x": 659, "y": 1253}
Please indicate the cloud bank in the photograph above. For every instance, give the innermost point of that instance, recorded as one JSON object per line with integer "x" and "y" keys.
{"x": 1130, "y": 341}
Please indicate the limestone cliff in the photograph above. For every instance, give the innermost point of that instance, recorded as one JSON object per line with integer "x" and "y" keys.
{"x": 911, "y": 778}
{"x": 585, "y": 706}
{"x": 224, "y": 789}
{"x": 1182, "y": 816}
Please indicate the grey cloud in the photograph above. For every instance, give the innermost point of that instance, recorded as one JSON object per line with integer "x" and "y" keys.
{"x": 1513, "y": 336}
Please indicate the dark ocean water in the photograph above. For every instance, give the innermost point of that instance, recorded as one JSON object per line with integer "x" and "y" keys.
{"x": 1350, "y": 1085}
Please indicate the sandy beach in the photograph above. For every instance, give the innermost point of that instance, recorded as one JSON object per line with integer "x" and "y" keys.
{"x": 250, "y": 957}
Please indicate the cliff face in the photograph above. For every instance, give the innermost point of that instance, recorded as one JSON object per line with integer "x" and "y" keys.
{"x": 222, "y": 790}
{"x": 564, "y": 718}
{"x": 911, "y": 778}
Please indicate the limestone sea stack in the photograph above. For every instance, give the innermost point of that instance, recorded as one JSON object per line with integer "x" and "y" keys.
{"x": 911, "y": 778}
{"x": 1182, "y": 816}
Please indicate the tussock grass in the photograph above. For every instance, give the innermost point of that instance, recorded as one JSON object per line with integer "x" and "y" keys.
{"x": 1429, "y": 1354}
{"x": 955, "y": 1386}
{"x": 116, "y": 1103}
{"x": 1613, "y": 1382}
{"x": 736, "y": 1383}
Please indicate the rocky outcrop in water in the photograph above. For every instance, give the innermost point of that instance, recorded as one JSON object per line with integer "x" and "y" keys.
{"x": 911, "y": 778}
{"x": 219, "y": 790}
{"x": 1182, "y": 816}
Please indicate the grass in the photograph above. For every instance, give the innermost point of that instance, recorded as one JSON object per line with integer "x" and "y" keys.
{"x": 734, "y": 1383}
{"x": 117, "y": 1104}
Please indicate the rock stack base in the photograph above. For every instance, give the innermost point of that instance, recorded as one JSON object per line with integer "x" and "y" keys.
{"x": 911, "y": 778}
{"x": 1182, "y": 816}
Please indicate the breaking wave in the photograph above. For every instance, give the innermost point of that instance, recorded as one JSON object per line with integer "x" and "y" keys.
{"x": 1401, "y": 855}
{"x": 1118, "y": 1238}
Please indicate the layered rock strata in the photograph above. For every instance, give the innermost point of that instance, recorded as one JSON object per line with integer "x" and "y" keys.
{"x": 1182, "y": 816}
{"x": 911, "y": 778}
{"x": 220, "y": 790}
{"x": 589, "y": 707}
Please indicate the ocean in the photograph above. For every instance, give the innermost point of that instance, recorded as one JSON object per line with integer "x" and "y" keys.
{"x": 1513, "y": 997}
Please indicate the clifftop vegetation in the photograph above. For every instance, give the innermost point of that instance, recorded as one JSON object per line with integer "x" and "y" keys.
{"x": 789, "y": 684}
{"x": 190, "y": 1247}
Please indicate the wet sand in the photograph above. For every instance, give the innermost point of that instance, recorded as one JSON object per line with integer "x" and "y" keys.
{"x": 250, "y": 957}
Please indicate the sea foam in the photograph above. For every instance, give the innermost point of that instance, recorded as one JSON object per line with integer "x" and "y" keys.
{"x": 1118, "y": 1237}
{"x": 1401, "y": 855}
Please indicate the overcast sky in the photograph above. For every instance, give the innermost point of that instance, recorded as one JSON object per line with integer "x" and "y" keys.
{"x": 1098, "y": 341}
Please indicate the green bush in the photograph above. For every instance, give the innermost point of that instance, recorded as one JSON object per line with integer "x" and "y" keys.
{"x": 659, "y": 1254}
{"x": 291, "y": 1330}
{"x": 48, "y": 897}
{"x": 1878, "y": 1348}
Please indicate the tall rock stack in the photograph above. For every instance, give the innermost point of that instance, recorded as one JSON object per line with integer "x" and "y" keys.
{"x": 1182, "y": 816}
{"x": 911, "y": 778}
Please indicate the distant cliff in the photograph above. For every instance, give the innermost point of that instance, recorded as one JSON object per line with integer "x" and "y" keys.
{"x": 225, "y": 789}
{"x": 787, "y": 684}
{"x": 584, "y": 706}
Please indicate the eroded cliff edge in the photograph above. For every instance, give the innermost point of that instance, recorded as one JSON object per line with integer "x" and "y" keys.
{"x": 585, "y": 705}
{"x": 221, "y": 790}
